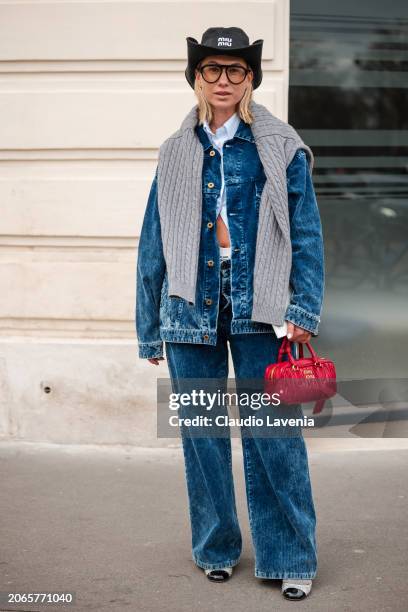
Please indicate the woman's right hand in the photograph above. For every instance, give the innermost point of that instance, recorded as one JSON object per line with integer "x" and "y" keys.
{"x": 155, "y": 360}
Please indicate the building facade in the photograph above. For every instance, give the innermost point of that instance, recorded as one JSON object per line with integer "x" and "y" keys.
{"x": 88, "y": 93}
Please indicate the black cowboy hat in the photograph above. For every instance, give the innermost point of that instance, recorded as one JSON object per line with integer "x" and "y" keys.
{"x": 224, "y": 41}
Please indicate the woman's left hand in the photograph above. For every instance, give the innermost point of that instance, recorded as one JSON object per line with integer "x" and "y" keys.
{"x": 298, "y": 333}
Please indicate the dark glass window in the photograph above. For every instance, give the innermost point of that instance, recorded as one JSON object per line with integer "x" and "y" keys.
{"x": 348, "y": 99}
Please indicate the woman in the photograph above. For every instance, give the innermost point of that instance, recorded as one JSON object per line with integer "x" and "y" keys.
{"x": 231, "y": 250}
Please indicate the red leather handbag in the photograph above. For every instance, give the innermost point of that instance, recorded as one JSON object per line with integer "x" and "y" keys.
{"x": 302, "y": 380}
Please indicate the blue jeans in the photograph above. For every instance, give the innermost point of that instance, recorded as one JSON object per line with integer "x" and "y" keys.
{"x": 278, "y": 488}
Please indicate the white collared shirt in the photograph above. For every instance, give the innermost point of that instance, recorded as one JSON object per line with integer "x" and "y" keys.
{"x": 223, "y": 133}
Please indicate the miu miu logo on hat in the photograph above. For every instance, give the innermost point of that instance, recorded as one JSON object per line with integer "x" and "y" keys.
{"x": 224, "y": 41}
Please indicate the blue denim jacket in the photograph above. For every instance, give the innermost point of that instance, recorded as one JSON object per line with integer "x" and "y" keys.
{"x": 160, "y": 317}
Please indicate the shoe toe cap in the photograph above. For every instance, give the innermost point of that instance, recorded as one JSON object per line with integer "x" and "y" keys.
{"x": 292, "y": 593}
{"x": 218, "y": 575}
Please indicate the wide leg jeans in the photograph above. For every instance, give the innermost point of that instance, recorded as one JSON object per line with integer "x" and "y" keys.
{"x": 278, "y": 488}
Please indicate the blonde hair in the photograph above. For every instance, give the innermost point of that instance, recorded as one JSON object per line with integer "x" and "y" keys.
{"x": 205, "y": 111}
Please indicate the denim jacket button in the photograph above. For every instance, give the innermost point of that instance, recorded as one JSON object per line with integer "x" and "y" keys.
{"x": 210, "y": 262}
{"x": 212, "y": 153}
{"x": 206, "y": 336}
{"x": 210, "y": 185}
{"x": 208, "y": 301}
{"x": 210, "y": 224}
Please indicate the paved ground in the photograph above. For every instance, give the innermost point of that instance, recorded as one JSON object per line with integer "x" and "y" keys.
{"x": 112, "y": 525}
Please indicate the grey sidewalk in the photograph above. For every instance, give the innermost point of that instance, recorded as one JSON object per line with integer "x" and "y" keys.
{"x": 112, "y": 525}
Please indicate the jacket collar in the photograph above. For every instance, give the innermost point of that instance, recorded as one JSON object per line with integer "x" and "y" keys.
{"x": 243, "y": 132}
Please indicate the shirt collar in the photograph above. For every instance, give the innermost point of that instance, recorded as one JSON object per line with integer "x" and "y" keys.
{"x": 243, "y": 131}
{"x": 228, "y": 128}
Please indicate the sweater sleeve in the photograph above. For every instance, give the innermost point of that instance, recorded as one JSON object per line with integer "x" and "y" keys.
{"x": 307, "y": 272}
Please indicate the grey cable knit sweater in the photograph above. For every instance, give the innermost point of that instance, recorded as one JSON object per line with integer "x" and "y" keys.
{"x": 180, "y": 208}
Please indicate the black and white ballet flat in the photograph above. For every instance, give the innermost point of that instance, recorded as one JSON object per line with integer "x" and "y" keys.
{"x": 295, "y": 588}
{"x": 218, "y": 575}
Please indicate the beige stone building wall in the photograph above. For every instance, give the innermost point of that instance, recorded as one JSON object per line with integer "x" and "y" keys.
{"x": 88, "y": 91}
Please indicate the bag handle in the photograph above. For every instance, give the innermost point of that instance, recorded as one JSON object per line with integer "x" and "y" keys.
{"x": 286, "y": 348}
{"x": 311, "y": 350}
